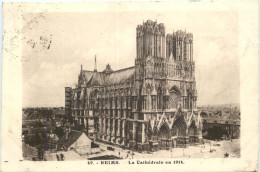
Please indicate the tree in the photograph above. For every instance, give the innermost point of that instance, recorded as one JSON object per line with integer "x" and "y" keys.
{"x": 59, "y": 131}
{"x": 33, "y": 140}
{"x": 216, "y": 132}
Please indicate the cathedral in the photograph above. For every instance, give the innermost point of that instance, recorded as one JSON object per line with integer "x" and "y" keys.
{"x": 146, "y": 107}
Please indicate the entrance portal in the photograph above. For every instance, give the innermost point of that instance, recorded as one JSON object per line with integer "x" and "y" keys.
{"x": 164, "y": 136}
{"x": 179, "y": 131}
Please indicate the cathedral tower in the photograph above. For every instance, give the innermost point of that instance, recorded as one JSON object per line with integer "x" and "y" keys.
{"x": 180, "y": 46}
{"x": 150, "y": 40}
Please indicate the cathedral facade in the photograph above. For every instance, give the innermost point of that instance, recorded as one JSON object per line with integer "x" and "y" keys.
{"x": 146, "y": 107}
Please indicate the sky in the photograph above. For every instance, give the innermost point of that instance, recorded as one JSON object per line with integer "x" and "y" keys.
{"x": 56, "y": 44}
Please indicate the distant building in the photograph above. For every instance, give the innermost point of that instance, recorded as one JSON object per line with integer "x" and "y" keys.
{"x": 147, "y": 106}
{"x": 56, "y": 113}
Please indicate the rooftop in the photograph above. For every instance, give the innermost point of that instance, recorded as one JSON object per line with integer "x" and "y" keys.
{"x": 108, "y": 76}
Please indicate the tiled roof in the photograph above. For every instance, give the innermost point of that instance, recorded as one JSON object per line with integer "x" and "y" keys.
{"x": 66, "y": 142}
{"x": 29, "y": 152}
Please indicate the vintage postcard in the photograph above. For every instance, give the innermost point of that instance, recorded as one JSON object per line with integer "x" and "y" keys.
{"x": 131, "y": 86}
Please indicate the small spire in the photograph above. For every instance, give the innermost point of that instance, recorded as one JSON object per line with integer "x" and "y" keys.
{"x": 81, "y": 67}
{"x": 95, "y": 69}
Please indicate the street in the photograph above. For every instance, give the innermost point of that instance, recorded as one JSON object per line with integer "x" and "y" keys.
{"x": 218, "y": 149}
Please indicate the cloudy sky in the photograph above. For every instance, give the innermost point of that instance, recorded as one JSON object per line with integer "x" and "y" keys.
{"x": 56, "y": 44}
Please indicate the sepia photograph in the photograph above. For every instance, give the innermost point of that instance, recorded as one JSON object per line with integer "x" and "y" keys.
{"x": 125, "y": 83}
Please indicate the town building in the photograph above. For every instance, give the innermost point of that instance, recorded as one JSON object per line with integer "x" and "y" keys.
{"x": 78, "y": 142}
{"x": 146, "y": 107}
{"x": 29, "y": 153}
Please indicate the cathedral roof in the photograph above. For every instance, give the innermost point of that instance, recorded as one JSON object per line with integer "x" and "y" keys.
{"x": 92, "y": 78}
{"x": 86, "y": 75}
{"x": 97, "y": 79}
{"x": 120, "y": 76}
